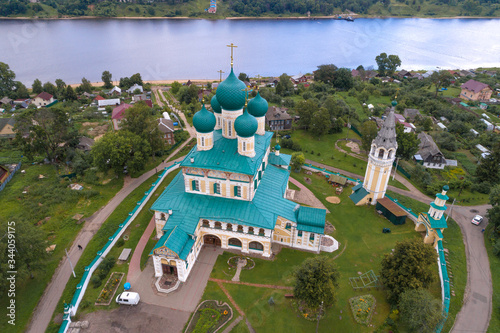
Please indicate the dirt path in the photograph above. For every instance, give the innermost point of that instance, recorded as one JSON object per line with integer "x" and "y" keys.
{"x": 305, "y": 196}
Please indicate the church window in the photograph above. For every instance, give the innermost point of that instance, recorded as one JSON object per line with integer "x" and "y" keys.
{"x": 260, "y": 175}
{"x": 217, "y": 188}
{"x": 229, "y": 227}
{"x": 250, "y": 231}
{"x": 240, "y": 228}
{"x": 229, "y": 128}
{"x": 202, "y": 141}
{"x": 234, "y": 242}
{"x": 218, "y": 225}
{"x": 206, "y": 223}
{"x": 263, "y": 165}
{"x": 299, "y": 233}
{"x": 255, "y": 184}
{"x": 244, "y": 144}
{"x": 390, "y": 154}
{"x": 288, "y": 226}
{"x": 261, "y": 232}
{"x": 237, "y": 191}
{"x": 195, "y": 184}
{"x": 256, "y": 246}
{"x": 381, "y": 153}
{"x": 311, "y": 237}
{"x": 162, "y": 216}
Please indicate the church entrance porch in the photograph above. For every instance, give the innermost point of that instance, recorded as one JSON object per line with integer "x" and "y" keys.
{"x": 211, "y": 240}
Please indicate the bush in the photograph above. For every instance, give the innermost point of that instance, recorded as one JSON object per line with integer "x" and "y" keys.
{"x": 120, "y": 242}
{"x": 95, "y": 281}
{"x": 483, "y": 187}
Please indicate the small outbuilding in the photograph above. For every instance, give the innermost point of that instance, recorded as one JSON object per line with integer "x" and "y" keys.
{"x": 391, "y": 211}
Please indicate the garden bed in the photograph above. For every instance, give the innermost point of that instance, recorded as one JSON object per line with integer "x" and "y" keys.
{"x": 209, "y": 317}
{"x": 108, "y": 292}
{"x": 233, "y": 262}
{"x": 362, "y": 308}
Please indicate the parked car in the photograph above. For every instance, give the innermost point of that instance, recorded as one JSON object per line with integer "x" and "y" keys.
{"x": 128, "y": 298}
{"x": 477, "y": 220}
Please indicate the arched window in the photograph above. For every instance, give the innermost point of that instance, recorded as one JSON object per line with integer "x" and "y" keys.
{"x": 288, "y": 226}
{"x": 250, "y": 231}
{"x": 234, "y": 242}
{"x": 244, "y": 144}
{"x": 261, "y": 232}
{"x": 218, "y": 225}
{"x": 229, "y": 227}
{"x": 256, "y": 246}
{"x": 202, "y": 141}
{"x": 162, "y": 216}
{"x": 240, "y": 228}
{"x": 380, "y": 153}
{"x": 390, "y": 154}
{"x": 205, "y": 223}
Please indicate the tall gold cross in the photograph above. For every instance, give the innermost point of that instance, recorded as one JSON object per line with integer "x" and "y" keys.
{"x": 397, "y": 91}
{"x": 232, "y": 46}
{"x": 246, "y": 90}
{"x": 220, "y": 74}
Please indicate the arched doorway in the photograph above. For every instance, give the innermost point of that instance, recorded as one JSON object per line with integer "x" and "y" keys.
{"x": 211, "y": 240}
{"x": 234, "y": 242}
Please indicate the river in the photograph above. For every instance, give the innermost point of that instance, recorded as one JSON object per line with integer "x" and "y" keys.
{"x": 196, "y": 49}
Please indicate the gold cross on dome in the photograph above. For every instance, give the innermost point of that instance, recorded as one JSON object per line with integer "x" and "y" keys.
{"x": 220, "y": 74}
{"x": 246, "y": 90}
{"x": 232, "y": 46}
{"x": 397, "y": 91}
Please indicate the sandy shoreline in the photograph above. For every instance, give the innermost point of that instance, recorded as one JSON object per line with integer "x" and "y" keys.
{"x": 153, "y": 82}
{"x": 332, "y": 17}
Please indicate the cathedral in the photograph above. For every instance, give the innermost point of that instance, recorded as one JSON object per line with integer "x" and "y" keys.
{"x": 231, "y": 190}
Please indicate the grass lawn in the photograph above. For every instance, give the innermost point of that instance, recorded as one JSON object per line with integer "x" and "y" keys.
{"x": 457, "y": 267}
{"x": 47, "y": 197}
{"x": 495, "y": 274}
{"x": 325, "y": 147}
{"x": 184, "y": 151}
{"x": 134, "y": 231}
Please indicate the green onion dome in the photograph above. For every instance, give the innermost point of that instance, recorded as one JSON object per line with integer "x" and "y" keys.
{"x": 215, "y": 105}
{"x": 231, "y": 94}
{"x": 446, "y": 188}
{"x": 394, "y": 103}
{"x": 204, "y": 121}
{"x": 257, "y": 106}
{"x": 246, "y": 125}
{"x": 277, "y": 147}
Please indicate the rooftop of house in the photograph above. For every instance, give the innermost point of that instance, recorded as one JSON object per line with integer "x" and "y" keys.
{"x": 6, "y": 121}
{"x": 44, "y": 95}
{"x": 474, "y": 86}
{"x": 165, "y": 125}
{"x": 427, "y": 146}
{"x": 118, "y": 112}
{"x": 276, "y": 113}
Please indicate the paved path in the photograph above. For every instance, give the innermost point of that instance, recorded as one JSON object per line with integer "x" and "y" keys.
{"x": 269, "y": 286}
{"x": 233, "y": 324}
{"x": 134, "y": 268}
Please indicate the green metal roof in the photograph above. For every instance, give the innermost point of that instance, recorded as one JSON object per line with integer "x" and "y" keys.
{"x": 258, "y": 106}
{"x": 262, "y": 212}
{"x": 245, "y": 125}
{"x": 204, "y": 121}
{"x": 338, "y": 179}
{"x": 215, "y": 105}
{"x": 230, "y": 93}
{"x": 358, "y": 194}
{"x": 281, "y": 159}
{"x": 442, "y": 196}
{"x": 224, "y": 155}
{"x": 439, "y": 233}
{"x": 437, "y": 224}
{"x": 433, "y": 204}
{"x": 176, "y": 240}
{"x": 311, "y": 219}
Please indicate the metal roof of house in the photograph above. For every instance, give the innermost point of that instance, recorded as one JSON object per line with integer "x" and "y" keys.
{"x": 311, "y": 219}
{"x": 393, "y": 207}
{"x": 224, "y": 155}
{"x": 359, "y": 193}
{"x": 177, "y": 241}
{"x": 436, "y": 224}
{"x": 281, "y": 159}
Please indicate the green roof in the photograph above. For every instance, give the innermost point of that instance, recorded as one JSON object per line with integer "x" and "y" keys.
{"x": 204, "y": 121}
{"x": 224, "y": 155}
{"x": 245, "y": 125}
{"x": 439, "y": 233}
{"x": 437, "y": 224}
{"x": 176, "y": 240}
{"x": 433, "y": 204}
{"x": 215, "y": 105}
{"x": 442, "y": 196}
{"x": 230, "y": 93}
{"x": 258, "y": 106}
{"x": 311, "y": 219}
{"x": 281, "y": 159}
{"x": 262, "y": 212}
{"x": 338, "y": 179}
{"x": 358, "y": 194}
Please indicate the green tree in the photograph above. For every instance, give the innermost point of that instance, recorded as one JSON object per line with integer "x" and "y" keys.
{"x": 494, "y": 217}
{"x": 50, "y": 88}
{"x": 320, "y": 122}
{"x": 20, "y": 90}
{"x": 70, "y": 94}
{"x": 7, "y": 77}
{"x": 369, "y": 131}
{"x": 441, "y": 79}
{"x": 410, "y": 266}
{"x": 325, "y": 73}
{"x": 316, "y": 281}
{"x": 136, "y": 79}
{"x": 36, "y": 87}
{"x": 407, "y": 143}
{"x": 298, "y": 160}
{"x": 86, "y": 86}
{"x": 427, "y": 124}
{"x": 139, "y": 120}
{"x": 387, "y": 65}
{"x": 45, "y": 131}
{"x": 175, "y": 87}
{"x": 60, "y": 89}
{"x": 419, "y": 310}
{"x": 343, "y": 79}
{"x": 284, "y": 86}
{"x": 115, "y": 150}
{"x": 106, "y": 78}
{"x": 306, "y": 110}
{"x": 243, "y": 77}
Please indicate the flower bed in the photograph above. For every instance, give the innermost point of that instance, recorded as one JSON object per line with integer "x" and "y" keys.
{"x": 109, "y": 290}
{"x": 233, "y": 262}
{"x": 362, "y": 308}
{"x": 209, "y": 317}
{"x": 307, "y": 312}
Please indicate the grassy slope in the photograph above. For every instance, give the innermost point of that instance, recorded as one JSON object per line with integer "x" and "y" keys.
{"x": 61, "y": 229}
{"x": 495, "y": 274}
{"x": 135, "y": 231}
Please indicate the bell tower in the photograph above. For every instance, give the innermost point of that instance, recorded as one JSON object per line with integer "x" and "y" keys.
{"x": 380, "y": 159}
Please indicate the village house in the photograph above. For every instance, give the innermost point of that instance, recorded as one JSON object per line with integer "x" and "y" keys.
{"x": 278, "y": 119}
{"x": 475, "y": 91}
{"x": 166, "y": 127}
{"x": 43, "y": 99}
{"x": 6, "y": 101}
{"x": 296, "y": 79}
{"x": 107, "y": 102}
{"x": 411, "y": 114}
{"x": 118, "y": 114}
{"x": 115, "y": 91}
{"x": 135, "y": 87}
{"x": 429, "y": 154}
{"x": 7, "y": 128}
{"x": 85, "y": 144}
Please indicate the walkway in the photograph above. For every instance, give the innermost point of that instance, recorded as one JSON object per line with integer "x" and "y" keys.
{"x": 269, "y": 286}
{"x": 134, "y": 268}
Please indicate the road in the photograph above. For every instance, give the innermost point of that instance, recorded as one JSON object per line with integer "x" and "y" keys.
{"x": 49, "y": 300}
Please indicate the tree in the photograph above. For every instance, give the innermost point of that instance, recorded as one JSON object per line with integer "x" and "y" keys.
{"x": 20, "y": 90}
{"x": 419, "y": 310}
{"x": 343, "y": 79}
{"x": 387, "y": 65}
{"x": 175, "y": 87}
{"x": 441, "y": 79}
{"x": 410, "y": 266}
{"x": 494, "y": 217}
{"x": 284, "y": 86}
{"x": 320, "y": 122}
{"x": 61, "y": 89}
{"x": 86, "y": 86}
{"x": 70, "y": 94}
{"x": 316, "y": 281}
{"x": 136, "y": 79}
{"x": 369, "y": 131}
{"x": 50, "y": 88}
{"x": 36, "y": 87}
{"x": 7, "y": 77}
{"x": 407, "y": 143}
{"x": 298, "y": 159}
{"x": 45, "y": 131}
{"x": 306, "y": 110}
{"x": 106, "y": 78}
{"x": 325, "y": 73}
{"x": 117, "y": 150}
{"x": 139, "y": 120}
{"x": 243, "y": 77}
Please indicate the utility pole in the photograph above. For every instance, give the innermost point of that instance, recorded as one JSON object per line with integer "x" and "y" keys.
{"x": 70, "y": 263}
{"x": 395, "y": 169}
{"x": 451, "y": 209}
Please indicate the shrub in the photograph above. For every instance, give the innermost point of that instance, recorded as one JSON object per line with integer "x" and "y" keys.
{"x": 120, "y": 242}
{"x": 95, "y": 281}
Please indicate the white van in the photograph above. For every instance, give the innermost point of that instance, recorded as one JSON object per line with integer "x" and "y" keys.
{"x": 129, "y": 298}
